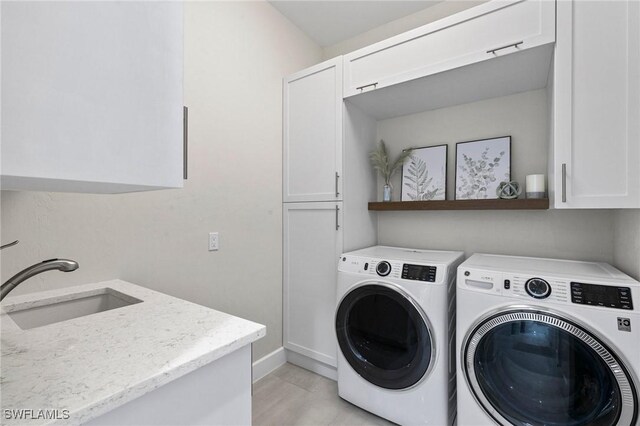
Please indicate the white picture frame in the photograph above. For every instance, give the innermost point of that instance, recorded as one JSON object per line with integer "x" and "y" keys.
{"x": 481, "y": 166}
{"x": 424, "y": 174}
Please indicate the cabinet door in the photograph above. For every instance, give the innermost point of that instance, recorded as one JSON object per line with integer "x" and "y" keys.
{"x": 597, "y": 105}
{"x": 312, "y": 246}
{"x": 313, "y": 134}
{"x": 478, "y": 34}
{"x": 92, "y": 97}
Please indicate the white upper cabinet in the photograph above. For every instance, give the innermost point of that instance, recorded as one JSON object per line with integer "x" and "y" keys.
{"x": 484, "y": 32}
{"x": 92, "y": 96}
{"x": 596, "y": 106}
{"x": 313, "y": 134}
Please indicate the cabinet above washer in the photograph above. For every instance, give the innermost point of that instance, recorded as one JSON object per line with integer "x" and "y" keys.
{"x": 596, "y": 106}
{"x": 495, "y": 49}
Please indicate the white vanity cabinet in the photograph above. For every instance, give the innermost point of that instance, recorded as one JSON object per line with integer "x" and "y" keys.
{"x": 92, "y": 96}
{"x": 218, "y": 393}
{"x": 481, "y": 33}
{"x": 596, "y": 106}
{"x": 312, "y": 134}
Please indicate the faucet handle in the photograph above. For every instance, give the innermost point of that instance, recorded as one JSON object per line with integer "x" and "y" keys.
{"x": 4, "y": 246}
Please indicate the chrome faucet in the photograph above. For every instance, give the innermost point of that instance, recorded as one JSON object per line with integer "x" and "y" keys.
{"x": 63, "y": 265}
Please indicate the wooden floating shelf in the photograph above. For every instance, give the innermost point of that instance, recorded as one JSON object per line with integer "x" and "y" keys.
{"x": 519, "y": 204}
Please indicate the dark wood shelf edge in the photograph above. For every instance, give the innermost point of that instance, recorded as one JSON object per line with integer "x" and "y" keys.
{"x": 519, "y": 204}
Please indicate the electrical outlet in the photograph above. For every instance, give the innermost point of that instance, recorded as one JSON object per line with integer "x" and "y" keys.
{"x": 214, "y": 241}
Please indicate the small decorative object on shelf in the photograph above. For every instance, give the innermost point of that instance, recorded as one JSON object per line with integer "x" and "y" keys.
{"x": 480, "y": 166}
{"x": 424, "y": 175}
{"x": 508, "y": 190}
{"x": 382, "y": 163}
{"x": 535, "y": 186}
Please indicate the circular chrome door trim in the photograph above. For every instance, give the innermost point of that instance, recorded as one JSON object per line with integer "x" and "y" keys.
{"x": 629, "y": 409}
{"x": 415, "y": 305}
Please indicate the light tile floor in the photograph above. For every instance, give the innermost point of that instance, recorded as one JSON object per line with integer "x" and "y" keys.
{"x": 294, "y": 396}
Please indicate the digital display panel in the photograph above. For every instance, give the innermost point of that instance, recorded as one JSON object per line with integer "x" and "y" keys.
{"x": 419, "y": 272}
{"x": 601, "y": 295}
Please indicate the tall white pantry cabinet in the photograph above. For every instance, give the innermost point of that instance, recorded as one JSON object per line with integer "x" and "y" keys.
{"x": 325, "y": 206}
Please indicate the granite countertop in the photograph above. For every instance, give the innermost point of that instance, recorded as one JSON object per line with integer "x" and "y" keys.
{"x": 95, "y": 363}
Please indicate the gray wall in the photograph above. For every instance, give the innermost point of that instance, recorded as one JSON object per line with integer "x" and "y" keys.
{"x": 626, "y": 250}
{"x": 575, "y": 234}
{"x": 579, "y": 234}
{"x": 235, "y": 56}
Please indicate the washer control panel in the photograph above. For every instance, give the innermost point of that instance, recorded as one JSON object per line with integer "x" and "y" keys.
{"x": 393, "y": 269}
{"x": 419, "y": 272}
{"x": 601, "y": 295}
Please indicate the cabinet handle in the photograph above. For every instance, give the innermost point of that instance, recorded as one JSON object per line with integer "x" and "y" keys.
{"x": 337, "y": 177}
{"x": 185, "y": 142}
{"x": 337, "y": 225}
{"x": 361, "y": 88}
{"x": 516, "y": 44}
{"x": 564, "y": 182}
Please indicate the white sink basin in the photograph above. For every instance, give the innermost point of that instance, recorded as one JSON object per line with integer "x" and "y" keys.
{"x": 79, "y": 305}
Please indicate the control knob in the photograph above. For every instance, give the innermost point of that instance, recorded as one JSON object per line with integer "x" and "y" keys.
{"x": 537, "y": 288}
{"x": 383, "y": 268}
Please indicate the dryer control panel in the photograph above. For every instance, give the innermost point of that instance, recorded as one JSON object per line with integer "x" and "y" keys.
{"x": 601, "y": 295}
{"x": 537, "y": 281}
{"x": 544, "y": 288}
{"x": 419, "y": 272}
{"x": 393, "y": 269}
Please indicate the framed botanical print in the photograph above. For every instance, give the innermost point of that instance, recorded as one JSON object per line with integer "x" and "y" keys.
{"x": 424, "y": 174}
{"x": 480, "y": 167}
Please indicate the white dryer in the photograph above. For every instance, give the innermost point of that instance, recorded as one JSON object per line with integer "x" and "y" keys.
{"x": 547, "y": 342}
{"x": 395, "y": 321}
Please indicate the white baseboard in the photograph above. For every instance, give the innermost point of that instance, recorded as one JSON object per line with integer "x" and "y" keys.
{"x": 268, "y": 363}
{"x": 280, "y": 356}
{"x": 307, "y": 363}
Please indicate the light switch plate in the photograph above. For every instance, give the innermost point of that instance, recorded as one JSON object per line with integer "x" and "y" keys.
{"x": 214, "y": 241}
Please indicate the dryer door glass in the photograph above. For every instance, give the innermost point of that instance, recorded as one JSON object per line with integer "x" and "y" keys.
{"x": 530, "y": 367}
{"x": 384, "y": 336}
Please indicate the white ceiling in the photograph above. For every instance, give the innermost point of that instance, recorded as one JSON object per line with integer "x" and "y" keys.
{"x": 329, "y": 22}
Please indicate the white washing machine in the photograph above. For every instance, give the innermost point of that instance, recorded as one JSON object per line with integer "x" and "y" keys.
{"x": 395, "y": 325}
{"x": 546, "y": 342}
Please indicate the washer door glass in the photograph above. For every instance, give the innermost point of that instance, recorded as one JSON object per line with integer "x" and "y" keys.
{"x": 532, "y": 368}
{"x": 383, "y": 336}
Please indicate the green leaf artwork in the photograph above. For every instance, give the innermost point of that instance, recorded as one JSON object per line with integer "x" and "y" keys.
{"x": 424, "y": 175}
{"x": 481, "y": 166}
{"x": 417, "y": 180}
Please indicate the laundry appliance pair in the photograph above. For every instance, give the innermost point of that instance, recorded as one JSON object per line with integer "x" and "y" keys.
{"x": 537, "y": 341}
